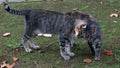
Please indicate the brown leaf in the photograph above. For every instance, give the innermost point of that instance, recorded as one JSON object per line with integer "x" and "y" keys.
{"x": 74, "y": 9}
{"x": 6, "y": 34}
{"x": 15, "y": 59}
{"x": 55, "y": 0}
{"x": 114, "y": 15}
{"x": 108, "y": 52}
{"x": 25, "y": 0}
{"x": 87, "y": 60}
{"x": 6, "y": 65}
{"x": 3, "y": 64}
{"x": 41, "y": 51}
{"x": 1, "y": 3}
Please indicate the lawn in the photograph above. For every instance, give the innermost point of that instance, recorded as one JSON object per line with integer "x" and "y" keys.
{"x": 11, "y": 46}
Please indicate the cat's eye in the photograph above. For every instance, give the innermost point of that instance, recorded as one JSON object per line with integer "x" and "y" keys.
{"x": 84, "y": 26}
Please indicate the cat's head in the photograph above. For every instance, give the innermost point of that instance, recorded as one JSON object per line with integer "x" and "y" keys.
{"x": 81, "y": 21}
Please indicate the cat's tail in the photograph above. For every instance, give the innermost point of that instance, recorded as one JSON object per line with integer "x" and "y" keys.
{"x": 12, "y": 11}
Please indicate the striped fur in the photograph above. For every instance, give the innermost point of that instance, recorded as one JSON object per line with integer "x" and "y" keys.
{"x": 66, "y": 26}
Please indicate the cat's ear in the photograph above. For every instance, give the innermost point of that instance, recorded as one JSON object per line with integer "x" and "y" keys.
{"x": 85, "y": 16}
{"x": 69, "y": 13}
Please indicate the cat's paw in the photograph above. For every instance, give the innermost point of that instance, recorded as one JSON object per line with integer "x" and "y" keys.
{"x": 28, "y": 50}
{"x": 97, "y": 58}
{"x": 35, "y": 47}
{"x": 71, "y": 54}
{"x": 66, "y": 58}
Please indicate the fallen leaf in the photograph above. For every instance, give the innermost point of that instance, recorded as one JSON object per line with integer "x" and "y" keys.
{"x": 87, "y": 60}
{"x": 25, "y": 0}
{"x": 6, "y": 65}
{"x": 74, "y": 9}
{"x": 55, "y": 0}
{"x": 108, "y": 52}
{"x": 6, "y": 34}
{"x": 41, "y": 51}
{"x": 15, "y": 59}
{"x": 50, "y": 0}
{"x": 3, "y": 64}
{"x": 114, "y": 15}
{"x": 1, "y": 3}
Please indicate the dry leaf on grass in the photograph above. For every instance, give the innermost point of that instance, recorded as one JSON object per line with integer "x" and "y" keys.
{"x": 108, "y": 52}
{"x": 15, "y": 59}
{"x": 55, "y": 0}
{"x": 75, "y": 9}
{"x": 1, "y": 3}
{"x": 6, "y": 65}
{"x": 114, "y": 15}
{"x": 25, "y": 0}
{"x": 41, "y": 51}
{"x": 87, "y": 60}
{"x": 6, "y": 34}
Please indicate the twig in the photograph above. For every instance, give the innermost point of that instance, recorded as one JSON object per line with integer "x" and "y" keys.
{"x": 36, "y": 63}
{"x": 49, "y": 44}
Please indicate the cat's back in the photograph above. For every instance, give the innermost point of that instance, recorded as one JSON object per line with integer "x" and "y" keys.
{"x": 44, "y": 12}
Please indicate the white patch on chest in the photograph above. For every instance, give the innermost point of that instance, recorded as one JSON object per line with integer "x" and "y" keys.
{"x": 76, "y": 33}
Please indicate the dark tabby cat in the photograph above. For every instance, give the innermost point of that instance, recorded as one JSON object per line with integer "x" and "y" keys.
{"x": 65, "y": 25}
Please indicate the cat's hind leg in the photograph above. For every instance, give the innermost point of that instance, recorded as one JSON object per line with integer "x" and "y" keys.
{"x": 32, "y": 44}
{"x": 26, "y": 45}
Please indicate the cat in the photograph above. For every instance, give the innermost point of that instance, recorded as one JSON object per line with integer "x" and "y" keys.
{"x": 66, "y": 26}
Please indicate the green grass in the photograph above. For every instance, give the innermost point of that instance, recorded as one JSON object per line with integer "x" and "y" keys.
{"x": 51, "y": 58}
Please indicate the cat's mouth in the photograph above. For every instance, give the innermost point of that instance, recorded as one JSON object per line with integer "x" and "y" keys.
{"x": 79, "y": 29}
{"x": 78, "y": 34}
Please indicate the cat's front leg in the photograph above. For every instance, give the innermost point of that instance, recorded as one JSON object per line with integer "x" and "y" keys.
{"x": 63, "y": 53}
{"x": 68, "y": 50}
{"x": 63, "y": 49}
{"x": 98, "y": 49}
